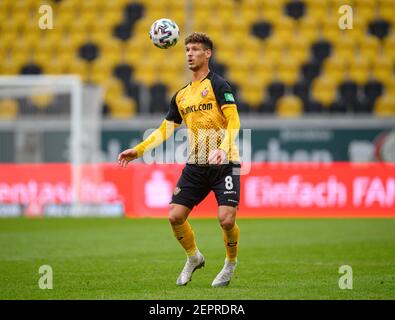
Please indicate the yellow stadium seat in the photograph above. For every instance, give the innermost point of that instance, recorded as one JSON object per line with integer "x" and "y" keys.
{"x": 110, "y": 18}
{"x": 42, "y": 101}
{"x": 54, "y": 67}
{"x": 339, "y": 3}
{"x": 90, "y": 5}
{"x": 359, "y": 70}
{"x": 75, "y": 40}
{"x": 369, "y": 48}
{"x": 122, "y": 108}
{"x": 237, "y": 76}
{"x": 298, "y": 48}
{"x": 175, "y": 5}
{"x": 112, "y": 87}
{"x": 215, "y": 33}
{"x": 31, "y": 40}
{"x": 155, "y": 6}
{"x": 3, "y": 17}
{"x": 90, "y": 19}
{"x": 4, "y": 6}
{"x": 78, "y": 67}
{"x": 21, "y": 46}
{"x": 265, "y": 68}
{"x": 223, "y": 14}
{"x": 8, "y": 39}
{"x": 64, "y": 21}
{"x": 289, "y": 107}
{"x": 99, "y": 37}
{"x": 390, "y": 86}
{"x": 324, "y": 90}
{"x": 274, "y": 49}
{"x": 318, "y": 9}
{"x": 18, "y": 59}
{"x": 387, "y": 12}
{"x": 117, "y": 6}
{"x": 174, "y": 86}
{"x": 147, "y": 77}
{"x": 168, "y": 76}
{"x": 241, "y": 63}
{"x": 112, "y": 47}
{"x": 358, "y": 31}
{"x": 253, "y": 95}
{"x": 308, "y": 28}
{"x": 344, "y": 47}
{"x": 330, "y": 29}
{"x": 365, "y": 9}
{"x": 42, "y": 58}
{"x": 132, "y": 56}
{"x": 246, "y": 4}
{"x": 261, "y": 79}
{"x": 288, "y": 70}
{"x": 249, "y": 48}
{"x": 202, "y": 15}
{"x": 285, "y": 29}
{"x": 248, "y": 14}
{"x": 31, "y": 5}
{"x": 389, "y": 47}
{"x": 102, "y": 65}
{"x": 17, "y": 19}
{"x": 8, "y": 109}
{"x": 383, "y": 68}
{"x": 69, "y": 6}
{"x": 335, "y": 68}
{"x": 385, "y": 106}
{"x": 248, "y": 55}
{"x": 225, "y": 56}
{"x": 180, "y": 18}
{"x": 98, "y": 78}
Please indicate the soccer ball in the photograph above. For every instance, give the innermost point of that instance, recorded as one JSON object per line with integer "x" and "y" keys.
{"x": 164, "y": 33}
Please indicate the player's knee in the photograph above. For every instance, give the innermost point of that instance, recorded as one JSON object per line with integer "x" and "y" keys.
{"x": 227, "y": 217}
{"x": 227, "y": 223}
{"x": 174, "y": 220}
{"x": 175, "y": 217}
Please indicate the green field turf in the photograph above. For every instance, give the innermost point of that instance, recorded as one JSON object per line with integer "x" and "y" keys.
{"x": 140, "y": 259}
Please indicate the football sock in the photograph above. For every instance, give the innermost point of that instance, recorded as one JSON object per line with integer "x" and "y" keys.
{"x": 231, "y": 239}
{"x": 186, "y": 237}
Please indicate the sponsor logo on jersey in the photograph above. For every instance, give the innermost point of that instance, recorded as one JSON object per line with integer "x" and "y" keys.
{"x": 232, "y": 244}
{"x": 176, "y": 191}
{"x": 194, "y": 108}
{"x": 204, "y": 92}
{"x": 229, "y": 97}
{"x": 230, "y": 192}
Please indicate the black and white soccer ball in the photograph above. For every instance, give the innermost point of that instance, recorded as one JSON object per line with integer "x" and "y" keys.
{"x": 164, "y": 33}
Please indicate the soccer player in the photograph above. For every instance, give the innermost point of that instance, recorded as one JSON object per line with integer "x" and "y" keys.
{"x": 208, "y": 109}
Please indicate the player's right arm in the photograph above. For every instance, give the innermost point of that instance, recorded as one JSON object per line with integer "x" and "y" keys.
{"x": 157, "y": 137}
{"x": 161, "y": 134}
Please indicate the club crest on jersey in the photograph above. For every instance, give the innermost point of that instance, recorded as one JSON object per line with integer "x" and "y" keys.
{"x": 176, "y": 191}
{"x": 204, "y": 92}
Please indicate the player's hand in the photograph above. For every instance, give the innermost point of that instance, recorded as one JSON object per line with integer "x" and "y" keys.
{"x": 126, "y": 156}
{"x": 217, "y": 156}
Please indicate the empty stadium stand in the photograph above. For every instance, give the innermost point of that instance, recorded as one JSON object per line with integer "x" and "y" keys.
{"x": 283, "y": 57}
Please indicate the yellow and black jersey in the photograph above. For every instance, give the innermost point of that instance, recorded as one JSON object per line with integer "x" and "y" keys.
{"x": 201, "y": 106}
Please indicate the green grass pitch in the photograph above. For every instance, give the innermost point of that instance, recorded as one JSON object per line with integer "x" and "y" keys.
{"x": 139, "y": 259}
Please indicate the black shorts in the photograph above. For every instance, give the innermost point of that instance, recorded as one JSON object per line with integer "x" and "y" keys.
{"x": 197, "y": 181}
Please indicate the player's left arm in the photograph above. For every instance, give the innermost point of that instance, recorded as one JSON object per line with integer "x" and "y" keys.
{"x": 225, "y": 98}
{"x": 232, "y": 130}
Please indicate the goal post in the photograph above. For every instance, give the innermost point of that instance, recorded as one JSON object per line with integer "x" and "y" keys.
{"x": 63, "y": 127}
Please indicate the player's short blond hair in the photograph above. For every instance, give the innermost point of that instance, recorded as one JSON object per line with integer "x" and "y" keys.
{"x": 200, "y": 37}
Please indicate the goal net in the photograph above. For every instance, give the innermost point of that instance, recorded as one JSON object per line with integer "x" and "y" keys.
{"x": 50, "y": 126}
